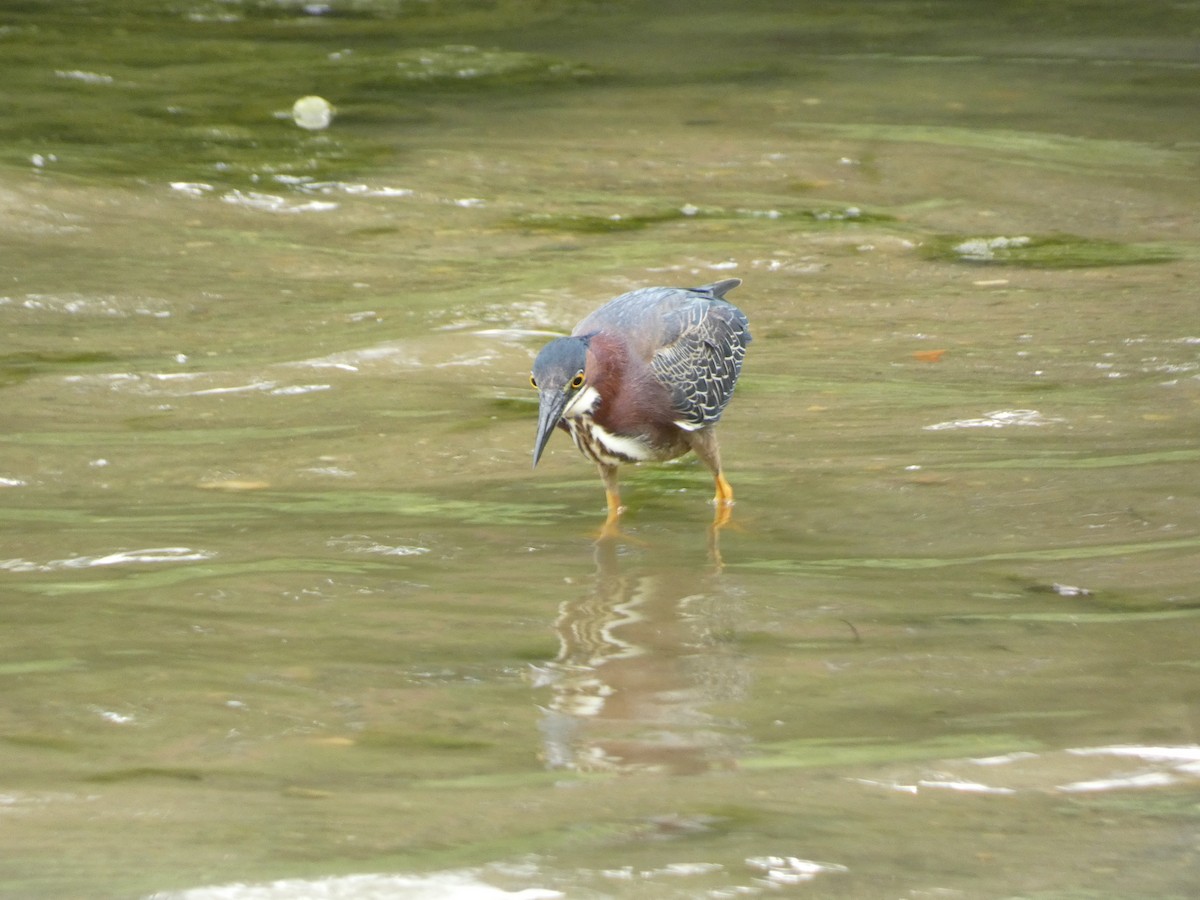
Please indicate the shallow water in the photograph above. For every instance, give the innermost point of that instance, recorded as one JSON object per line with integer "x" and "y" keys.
{"x": 285, "y": 607}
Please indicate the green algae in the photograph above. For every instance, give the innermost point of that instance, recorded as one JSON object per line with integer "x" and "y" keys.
{"x": 150, "y": 107}
{"x": 1058, "y": 251}
{"x": 808, "y": 753}
{"x": 139, "y": 773}
{"x": 1051, "y": 150}
{"x": 592, "y": 223}
{"x": 18, "y": 367}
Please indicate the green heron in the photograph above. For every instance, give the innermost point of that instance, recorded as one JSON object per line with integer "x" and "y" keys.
{"x": 645, "y": 378}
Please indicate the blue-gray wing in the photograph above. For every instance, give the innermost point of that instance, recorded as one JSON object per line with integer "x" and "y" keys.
{"x": 700, "y": 358}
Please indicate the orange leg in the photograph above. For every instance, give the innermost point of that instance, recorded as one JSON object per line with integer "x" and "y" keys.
{"x": 612, "y": 495}
{"x": 724, "y": 495}
{"x": 704, "y": 445}
{"x": 723, "y": 501}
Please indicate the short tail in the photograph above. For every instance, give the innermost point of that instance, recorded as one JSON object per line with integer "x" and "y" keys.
{"x": 718, "y": 289}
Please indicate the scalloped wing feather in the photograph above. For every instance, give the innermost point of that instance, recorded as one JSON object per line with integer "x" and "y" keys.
{"x": 702, "y": 362}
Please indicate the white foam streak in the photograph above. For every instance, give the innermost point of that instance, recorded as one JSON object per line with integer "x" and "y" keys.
{"x": 152, "y": 555}
{"x": 435, "y": 886}
{"x": 1000, "y": 418}
{"x": 1141, "y": 780}
{"x": 1186, "y": 753}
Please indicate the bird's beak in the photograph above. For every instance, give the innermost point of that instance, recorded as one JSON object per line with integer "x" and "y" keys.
{"x": 550, "y": 409}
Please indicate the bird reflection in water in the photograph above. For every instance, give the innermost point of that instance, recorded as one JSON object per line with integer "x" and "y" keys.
{"x": 645, "y": 656}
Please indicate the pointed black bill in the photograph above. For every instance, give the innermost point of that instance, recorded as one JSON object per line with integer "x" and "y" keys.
{"x": 550, "y": 409}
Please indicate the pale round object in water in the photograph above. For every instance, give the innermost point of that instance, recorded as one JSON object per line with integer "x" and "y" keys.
{"x": 312, "y": 112}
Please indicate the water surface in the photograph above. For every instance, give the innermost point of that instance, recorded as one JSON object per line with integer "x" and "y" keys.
{"x": 285, "y": 606}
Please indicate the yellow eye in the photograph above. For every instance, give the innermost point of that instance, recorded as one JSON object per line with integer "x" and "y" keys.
{"x": 532, "y": 381}
{"x": 577, "y": 382}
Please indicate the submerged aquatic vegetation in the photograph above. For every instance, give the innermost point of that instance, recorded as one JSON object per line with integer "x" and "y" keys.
{"x": 1058, "y": 251}
{"x": 20, "y": 366}
{"x": 459, "y": 64}
{"x": 81, "y": 112}
{"x": 592, "y": 223}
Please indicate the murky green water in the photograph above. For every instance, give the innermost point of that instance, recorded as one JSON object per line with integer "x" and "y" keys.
{"x": 284, "y": 605}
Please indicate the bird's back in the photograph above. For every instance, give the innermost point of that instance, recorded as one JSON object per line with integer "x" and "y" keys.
{"x": 693, "y": 339}
{"x": 651, "y": 318}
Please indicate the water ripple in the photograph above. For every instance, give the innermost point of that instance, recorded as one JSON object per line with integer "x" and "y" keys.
{"x": 119, "y": 558}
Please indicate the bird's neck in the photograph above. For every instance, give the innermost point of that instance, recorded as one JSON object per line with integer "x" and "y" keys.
{"x": 608, "y": 379}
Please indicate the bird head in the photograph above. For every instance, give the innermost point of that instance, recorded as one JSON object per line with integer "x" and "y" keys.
{"x": 560, "y": 376}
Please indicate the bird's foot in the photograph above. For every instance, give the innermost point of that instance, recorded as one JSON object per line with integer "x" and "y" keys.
{"x": 722, "y": 513}
{"x": 611, "y": 529}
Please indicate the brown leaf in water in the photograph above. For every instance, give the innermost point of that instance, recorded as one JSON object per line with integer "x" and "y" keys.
{"x": 929, "y": 356}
